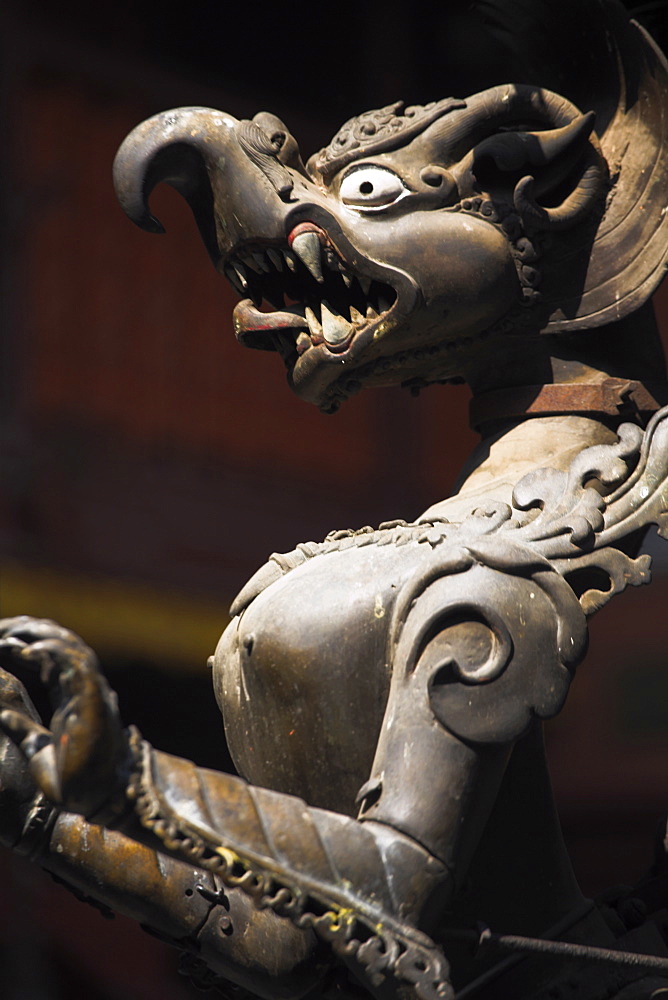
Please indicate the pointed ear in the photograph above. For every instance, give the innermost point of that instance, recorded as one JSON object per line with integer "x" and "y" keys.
{"x": 560, "y": 167}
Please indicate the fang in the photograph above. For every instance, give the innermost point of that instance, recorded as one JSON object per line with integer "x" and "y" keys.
{"x": 275, "y": 258}
{"x": 307, "y": 248}
{"x": 335, "y": 329}
{"x": 313, "y": 324}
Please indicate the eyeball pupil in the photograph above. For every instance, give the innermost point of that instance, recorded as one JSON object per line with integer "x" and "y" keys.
{"x": 370, "y": 187}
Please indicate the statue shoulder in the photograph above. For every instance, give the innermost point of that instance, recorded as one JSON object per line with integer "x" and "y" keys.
{"x": 395, "y": 533}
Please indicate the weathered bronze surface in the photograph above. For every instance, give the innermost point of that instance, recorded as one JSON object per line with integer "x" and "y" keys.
{"x": 383, "y": 690}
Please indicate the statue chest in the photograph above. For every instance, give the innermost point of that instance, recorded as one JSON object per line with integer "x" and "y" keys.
{"x": 302, "y": 674}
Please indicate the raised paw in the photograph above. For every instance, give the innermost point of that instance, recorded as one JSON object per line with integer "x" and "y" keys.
{"x": 76, "y": 762}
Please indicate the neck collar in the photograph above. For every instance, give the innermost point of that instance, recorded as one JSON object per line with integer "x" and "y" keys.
{"x": 613, "y": 397}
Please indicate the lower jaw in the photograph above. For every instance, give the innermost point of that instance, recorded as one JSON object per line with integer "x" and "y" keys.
{"x": 414, "y": 367}
{"x": 314, "y": 372}
{"x": 298, "y": 326}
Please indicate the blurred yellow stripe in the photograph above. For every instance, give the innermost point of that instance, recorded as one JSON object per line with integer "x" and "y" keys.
{"x": 117, "y": 618}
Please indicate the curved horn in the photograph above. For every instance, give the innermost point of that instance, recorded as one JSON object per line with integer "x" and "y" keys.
{"x": 514, "y": 150}
{"x": 573, "y": 210}
{"x": 507, "y": 104}
{"x": 558, "y": 149}
{"x": 182, "y": 148}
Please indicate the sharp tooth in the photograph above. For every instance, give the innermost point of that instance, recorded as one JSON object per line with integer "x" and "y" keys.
{"x": 261, "y": 262}
{"x": 365, "y": 283}
{"x": 371, "y": 312}
{"x": 250, "y": 262}
{"x": 333, "y": 262}
{"x": 331, "y": 259}
{"x": 303, "y": 342}
{"x": 335, "y": 329}
{"x": 233, "y": 279}
{"x": 313, "y": 324}
{"x": 347, "y": 279}
{"x": 289, "y": 260}
{"x": 357, "y": 317}
{"x": 307, "y": 248}
{"x": 240, "y": 279}
{"x": 276, "y": 259}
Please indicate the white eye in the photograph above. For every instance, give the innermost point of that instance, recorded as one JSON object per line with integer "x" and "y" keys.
{"x": 371, "y": 187}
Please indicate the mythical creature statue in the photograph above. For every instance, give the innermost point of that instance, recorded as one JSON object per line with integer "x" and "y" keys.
{"x": 383, "y": 690}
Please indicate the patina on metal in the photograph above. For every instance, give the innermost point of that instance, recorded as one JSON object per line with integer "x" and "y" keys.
{"x": 383, "y": 689}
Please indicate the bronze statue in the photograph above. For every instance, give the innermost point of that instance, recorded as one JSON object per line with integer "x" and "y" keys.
{"x": 383, "y": 690}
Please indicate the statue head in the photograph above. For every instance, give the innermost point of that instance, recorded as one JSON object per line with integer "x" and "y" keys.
{"x": 419, "y": 235}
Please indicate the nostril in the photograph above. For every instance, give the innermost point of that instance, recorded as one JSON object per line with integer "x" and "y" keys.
{"x": 432, "y": 178}
{"x": 277, "y": 140}
{"x": 436, "y": 176}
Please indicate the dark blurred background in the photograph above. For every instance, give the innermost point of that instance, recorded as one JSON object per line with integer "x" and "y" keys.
{"x": 148, "y": 464}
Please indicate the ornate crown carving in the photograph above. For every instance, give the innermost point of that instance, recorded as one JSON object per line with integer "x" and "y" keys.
{"x": 378, "y": 131}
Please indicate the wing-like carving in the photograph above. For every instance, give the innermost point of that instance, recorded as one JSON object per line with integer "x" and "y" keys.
{"x": 583, "y": 519}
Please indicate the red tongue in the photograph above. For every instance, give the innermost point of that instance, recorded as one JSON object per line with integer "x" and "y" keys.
{"x": 249, "y": 319}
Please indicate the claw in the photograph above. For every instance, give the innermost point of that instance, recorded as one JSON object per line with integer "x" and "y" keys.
{"x": 29, "y": 735}
{"x": 11, "y": 645}
{"x": 36, "y": 745}
{"x": 76, "y": 763}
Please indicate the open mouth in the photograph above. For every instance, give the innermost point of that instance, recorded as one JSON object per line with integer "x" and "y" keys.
{"x": 313, "y": 298}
